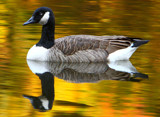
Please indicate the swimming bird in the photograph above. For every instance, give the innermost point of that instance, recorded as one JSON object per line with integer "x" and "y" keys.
{"x": 77, "y": 48}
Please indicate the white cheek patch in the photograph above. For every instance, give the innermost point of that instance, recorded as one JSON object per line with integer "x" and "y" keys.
{"x": 45, "y": 18}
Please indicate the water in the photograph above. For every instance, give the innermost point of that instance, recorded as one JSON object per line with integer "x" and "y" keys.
{"x": 75, "y": 91}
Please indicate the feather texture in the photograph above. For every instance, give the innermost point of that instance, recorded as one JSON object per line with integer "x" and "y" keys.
{"x": 86, "y": 72}
{"x": 78, "y": 48}
{"x": 87, "y": 48}
{"x": 72, "y": 44}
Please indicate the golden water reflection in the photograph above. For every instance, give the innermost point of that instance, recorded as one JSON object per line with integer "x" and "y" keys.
{"x": 106, "y": 98}
{"x": 76, "y": 73}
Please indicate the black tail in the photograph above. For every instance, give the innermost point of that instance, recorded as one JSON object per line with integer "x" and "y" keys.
{"x": 138, "y": 42}
{"x": 140, "y": 75}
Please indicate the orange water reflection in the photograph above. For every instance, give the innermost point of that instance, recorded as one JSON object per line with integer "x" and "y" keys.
{"x": 106, "y": 98}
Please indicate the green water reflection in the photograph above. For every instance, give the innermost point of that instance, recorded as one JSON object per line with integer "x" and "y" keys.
{"x": 107, "y": 98}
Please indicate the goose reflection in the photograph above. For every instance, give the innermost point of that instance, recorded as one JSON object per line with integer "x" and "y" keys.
{"x": 77, "y": 73}
{"x": 88, "y": 72}
{"x": 45, "y": 101}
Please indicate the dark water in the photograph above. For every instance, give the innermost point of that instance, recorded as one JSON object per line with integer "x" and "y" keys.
{"x": 80, "y": 90}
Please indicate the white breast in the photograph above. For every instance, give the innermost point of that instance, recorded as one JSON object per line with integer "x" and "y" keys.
{"x": 38, "y": 66}
{"x": 37, "y": 53}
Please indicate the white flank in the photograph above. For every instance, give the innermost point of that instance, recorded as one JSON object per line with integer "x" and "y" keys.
{"x": 37, "y": 53}
{"x": 122, "y": 54}
{"x": 45, "y": 18}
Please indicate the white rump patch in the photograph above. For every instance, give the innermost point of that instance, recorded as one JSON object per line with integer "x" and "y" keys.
{"x": 37, "y": 53}
{"x": 45, "y": 18}
{"x": 122, "y": 54}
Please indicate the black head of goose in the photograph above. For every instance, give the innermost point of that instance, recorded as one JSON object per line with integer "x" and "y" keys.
{"x": 77, "y": 48}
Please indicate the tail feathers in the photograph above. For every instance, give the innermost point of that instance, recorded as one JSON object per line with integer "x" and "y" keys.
{"x": 138, "y": 42}
{"x": 140, "y": 75}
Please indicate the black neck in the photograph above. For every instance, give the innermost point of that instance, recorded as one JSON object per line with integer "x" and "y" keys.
{"x": 47, "y": 82}
{"x": 47, "y": 37}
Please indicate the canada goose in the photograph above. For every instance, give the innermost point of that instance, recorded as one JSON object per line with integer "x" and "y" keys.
{"x": 77, "y": 48}
{"x": 87, "y": 72}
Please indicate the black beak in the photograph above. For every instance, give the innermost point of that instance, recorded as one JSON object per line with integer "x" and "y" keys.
{"x": 30, "y": 21}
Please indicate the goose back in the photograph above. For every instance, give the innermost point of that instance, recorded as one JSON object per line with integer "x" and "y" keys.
{"x": 87, "y": 48}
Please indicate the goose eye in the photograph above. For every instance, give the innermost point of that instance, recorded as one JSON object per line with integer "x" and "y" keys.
{"x": 40, "y": 13}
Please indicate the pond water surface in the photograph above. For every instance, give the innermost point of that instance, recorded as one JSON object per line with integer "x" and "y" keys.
{"x": 80, "y": 90}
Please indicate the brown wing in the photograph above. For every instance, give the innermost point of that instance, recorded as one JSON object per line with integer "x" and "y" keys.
{"x": 119, "y": 43}
{"x": 72, "y": 44}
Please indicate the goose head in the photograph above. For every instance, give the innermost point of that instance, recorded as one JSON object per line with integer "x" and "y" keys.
{"x": 42, "y": 15}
